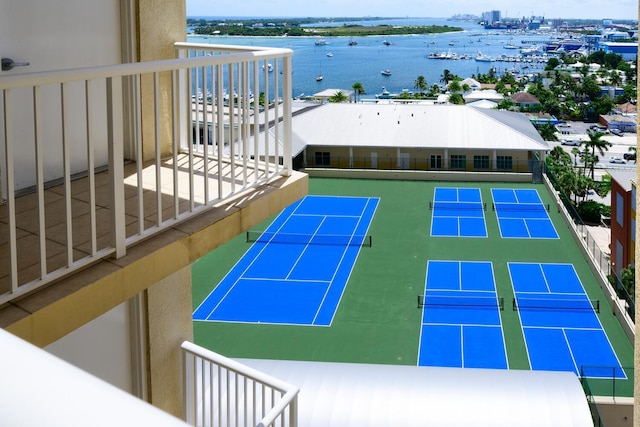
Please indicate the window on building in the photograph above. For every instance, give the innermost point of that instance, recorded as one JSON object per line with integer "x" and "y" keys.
{"x": 436, "y": 161}
{"x": 458, "y": 161}
{"x": 323, "y": 158}
{"x": 481, "y": 162}
{"x": 620, "y": 209}
{"x": 633, "y": 197}
{"x": 633, "y": 230}
{"x": 504, "y": 162}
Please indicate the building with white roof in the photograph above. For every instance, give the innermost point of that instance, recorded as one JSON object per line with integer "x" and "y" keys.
{"x": 414, "y": 136}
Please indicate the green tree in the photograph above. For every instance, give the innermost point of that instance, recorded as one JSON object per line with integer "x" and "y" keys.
{"x": 454, "y": 86}
{"x": 339, "y": 96}
{"x": 590, "y": 88}
{"x": 456, "y": 98}
{"x": 628, "y": 277}
{"x": 552, "y": 63}
{"x": 421, "y": 84}
{"x": 604, "y": 186}
{"x": 358, "y": 89}
{"x": 446, "y": 77}
{"x": 548, "y": 132}
{"x": 595, "y": 142}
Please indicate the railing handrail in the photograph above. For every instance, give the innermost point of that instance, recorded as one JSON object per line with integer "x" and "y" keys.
{"x": 224, "y": 47}
{"x": 41, "y": 78}
{"x": 238, "y": 367}
{"x": 100, "y": 110}
{"x": 289, "y": 392}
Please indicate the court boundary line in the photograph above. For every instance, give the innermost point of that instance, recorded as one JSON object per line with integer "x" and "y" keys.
{"x": 494, "y": 292}
{"x": 306, "y": 246}
{"x": 335, "y": 272}
{"x": 458, "y": 218}
{"x": 327, "y": 284}
{"x": 615, "y": 353}
{"x": 524, "y": 220}
{"x": 206, "y": 319}
{"x": 348, "y": 277}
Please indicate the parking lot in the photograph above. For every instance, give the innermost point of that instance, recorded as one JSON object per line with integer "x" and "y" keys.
{"x": 573, "y": 133}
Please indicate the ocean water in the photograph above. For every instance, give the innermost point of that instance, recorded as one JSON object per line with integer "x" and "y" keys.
{"x": 406, "y": 57}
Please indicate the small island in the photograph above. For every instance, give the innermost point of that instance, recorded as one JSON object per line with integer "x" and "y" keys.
{"x": 299, "y": 27}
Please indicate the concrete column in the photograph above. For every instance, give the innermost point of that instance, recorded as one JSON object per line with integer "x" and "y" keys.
{"x": 157, "y": 32}
{"x": 169, "y": 323}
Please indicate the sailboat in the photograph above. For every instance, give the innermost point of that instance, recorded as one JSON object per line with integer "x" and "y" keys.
{"x": 319, "y": 77}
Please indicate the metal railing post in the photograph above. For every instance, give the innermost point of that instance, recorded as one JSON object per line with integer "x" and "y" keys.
{"x": 116, "y": 167}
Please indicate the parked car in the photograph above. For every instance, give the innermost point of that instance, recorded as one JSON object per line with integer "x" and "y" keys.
{"x": 616, "y": 159}
{"x": 574, "y": 142}
{"x": 629, "y": 156}
{"x": 598, "y": 128}
{"x": 617, "y": 132}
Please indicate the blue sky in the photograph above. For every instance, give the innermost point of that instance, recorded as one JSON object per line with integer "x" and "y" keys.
{"x": 616, "y": 9}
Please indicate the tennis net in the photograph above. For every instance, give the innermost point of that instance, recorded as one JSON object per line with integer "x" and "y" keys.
{"x": 461, "y": 301}
{"x": 521, "y": 207}
{"x": 473, "y": 206}
{"x": 309, "y": 239}
{"x": 555, "y": 304}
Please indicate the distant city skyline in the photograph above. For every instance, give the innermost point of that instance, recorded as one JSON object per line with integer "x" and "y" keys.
{"x": 573, "y": 9}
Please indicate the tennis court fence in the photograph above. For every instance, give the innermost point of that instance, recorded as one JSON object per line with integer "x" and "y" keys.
{"x": 309, "y": 239}
{"x": 555, "y": 304}
{"x": 460, "y": 301}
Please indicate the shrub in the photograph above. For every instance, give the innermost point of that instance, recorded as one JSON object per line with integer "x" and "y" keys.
{"x": 590, "y": 211}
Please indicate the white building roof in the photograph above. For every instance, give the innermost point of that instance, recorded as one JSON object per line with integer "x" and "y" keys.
{"x": 348, "y": 395}
{"x": 328, "y": 93}
{"x": 490, "y": 94}
{"x": 482, "y": 103}
{"x": 412, "y": 126}
{"x": 473, "y": 83}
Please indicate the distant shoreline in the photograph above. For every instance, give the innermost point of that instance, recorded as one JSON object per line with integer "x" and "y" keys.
{"x": 359, "y": 31}
{"x": 313, "y": 27}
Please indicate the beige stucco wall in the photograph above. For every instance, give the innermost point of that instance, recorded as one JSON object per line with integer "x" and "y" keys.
{"x": 157, "y": 33}
{"x": 169, "y": 308}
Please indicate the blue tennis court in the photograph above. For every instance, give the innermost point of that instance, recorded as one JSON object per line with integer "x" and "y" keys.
{"x": 521, "y": 214}
{"x": 461, "y": 324}
{"x": 559, "y": 322}
{"x": 458, "y": 212}
{"x": 296, "y": 270}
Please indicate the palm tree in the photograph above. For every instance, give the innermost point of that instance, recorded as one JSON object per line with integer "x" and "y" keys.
{"x": 455, "y": 86}
{"x": 339, "y": 96}
{"x": 420, "y": 84}
{"x": 594, "y": 143}
{"x": 446, "y": 77}
{"x": 576, "y": 153}
{"x": 358, "y": 89}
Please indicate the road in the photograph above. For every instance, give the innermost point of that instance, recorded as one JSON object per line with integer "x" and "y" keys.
{"x": 621, "y": 144}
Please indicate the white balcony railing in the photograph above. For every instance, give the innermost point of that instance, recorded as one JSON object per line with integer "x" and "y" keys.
{"x": 94, "y": 160}
{"x": 222, "y": 392}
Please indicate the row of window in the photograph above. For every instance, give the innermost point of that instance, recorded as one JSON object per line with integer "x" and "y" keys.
{"x": 457, "y": 161}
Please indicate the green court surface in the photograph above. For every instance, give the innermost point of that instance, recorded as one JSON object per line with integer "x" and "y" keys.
{"x": 377, "y": 320}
